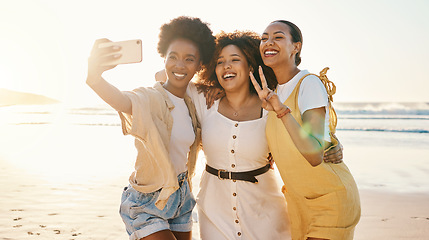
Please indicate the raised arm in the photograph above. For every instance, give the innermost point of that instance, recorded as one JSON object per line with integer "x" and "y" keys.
{"x": 308, "y": 140}
{"x": 97, "y": 64}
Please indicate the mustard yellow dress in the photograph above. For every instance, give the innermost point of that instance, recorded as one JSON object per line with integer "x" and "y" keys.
{"x": 323, "y": 201}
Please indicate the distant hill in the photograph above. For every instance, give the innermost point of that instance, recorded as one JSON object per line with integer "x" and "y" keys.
{"x": 9, "y": 97}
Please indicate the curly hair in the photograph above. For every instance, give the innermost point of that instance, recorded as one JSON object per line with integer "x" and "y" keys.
{"x": 189, "y": 28}
{"x": 248, "y": 42}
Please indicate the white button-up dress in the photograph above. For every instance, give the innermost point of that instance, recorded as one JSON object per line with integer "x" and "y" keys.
{"x": 230, "y": 209}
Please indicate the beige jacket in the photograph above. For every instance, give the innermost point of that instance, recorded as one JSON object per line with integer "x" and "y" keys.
{"x": 151, "y": 124}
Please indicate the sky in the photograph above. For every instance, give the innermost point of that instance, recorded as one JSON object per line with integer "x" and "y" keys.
{"x": 376, "y": 49}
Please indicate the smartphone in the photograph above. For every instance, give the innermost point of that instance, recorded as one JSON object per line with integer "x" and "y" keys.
{"x": 131, "y": 51}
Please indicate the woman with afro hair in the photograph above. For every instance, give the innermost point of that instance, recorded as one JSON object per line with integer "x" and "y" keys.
{"x": 158, "y": 203}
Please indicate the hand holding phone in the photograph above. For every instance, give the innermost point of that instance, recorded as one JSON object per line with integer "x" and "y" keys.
{"x": 130, "y": 51}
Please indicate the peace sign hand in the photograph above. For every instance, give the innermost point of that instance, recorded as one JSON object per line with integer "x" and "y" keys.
{"x": 270, "y": 100}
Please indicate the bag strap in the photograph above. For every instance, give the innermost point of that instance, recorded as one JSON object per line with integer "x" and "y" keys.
{"x": 331, "y": 90}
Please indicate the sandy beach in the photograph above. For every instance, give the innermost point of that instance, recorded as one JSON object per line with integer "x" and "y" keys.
{"x": 62, "y": 178}
{"x": 387, "y": 215}
{"x": 34, "y": 209}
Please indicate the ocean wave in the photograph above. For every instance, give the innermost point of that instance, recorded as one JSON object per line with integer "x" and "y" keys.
{"x": 92, "y": 111}
{"x": 420, "y": 108}
{"x": 372, "y": 117}
{"x": 383, "y": 112}
{"x": 99, "y": 124}
{"x": 32, "y": 123}
{"x": 384, "y": 130}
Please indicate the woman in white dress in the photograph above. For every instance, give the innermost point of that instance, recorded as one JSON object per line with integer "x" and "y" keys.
{"x": 248, "y": 206}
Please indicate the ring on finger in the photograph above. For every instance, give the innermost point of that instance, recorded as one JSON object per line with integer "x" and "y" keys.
{"x": 270, "y": 95}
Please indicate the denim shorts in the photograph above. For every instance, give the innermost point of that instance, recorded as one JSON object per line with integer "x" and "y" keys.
{"x": 142, "y": 218}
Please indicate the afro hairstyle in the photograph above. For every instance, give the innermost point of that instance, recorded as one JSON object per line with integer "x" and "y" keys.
{"x": 189, "y": 28}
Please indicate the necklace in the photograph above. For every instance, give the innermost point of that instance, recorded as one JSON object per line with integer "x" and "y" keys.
{"x": 235, "y": 111}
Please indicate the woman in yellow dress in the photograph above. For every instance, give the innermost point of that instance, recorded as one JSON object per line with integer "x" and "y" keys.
{"x": 322, "y": 197}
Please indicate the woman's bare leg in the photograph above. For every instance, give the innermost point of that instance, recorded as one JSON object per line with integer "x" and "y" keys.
{"x": 183, "y": 235}
{"x": 161, "y": 235}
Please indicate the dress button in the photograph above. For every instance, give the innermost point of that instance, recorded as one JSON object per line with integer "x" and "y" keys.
{"x": 236, "y": 220}
{"x": 234, "y": 208}
{"x": 234, "y": 136}
{"x": 234, "y": 194}
{"x": 236, "y": 125}
{"x": 233, "y": 165}
{"x": 234, "y": 180}
{"x": 239, "y": 233}
{"x": 232, "y": 151}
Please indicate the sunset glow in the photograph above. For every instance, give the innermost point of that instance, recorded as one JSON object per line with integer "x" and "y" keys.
{"x": 46, "y": 44}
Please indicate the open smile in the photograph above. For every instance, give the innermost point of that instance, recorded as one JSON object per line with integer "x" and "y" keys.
{"x": 229, "y": 75}
{"x": 270, "y": 53}
{"x": 179, "y": 75}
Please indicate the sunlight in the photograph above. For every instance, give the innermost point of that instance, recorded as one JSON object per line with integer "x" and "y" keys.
{"x": 52, "y": 143}
{"x": 5, "y": 78}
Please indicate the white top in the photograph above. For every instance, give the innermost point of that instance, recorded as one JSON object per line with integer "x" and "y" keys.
{"x": 312, "y": 94}
{"x": 237, "y": 210}
{"x": 182, "y": 134}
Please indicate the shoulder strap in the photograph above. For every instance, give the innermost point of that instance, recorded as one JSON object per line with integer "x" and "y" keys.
{"x": 298, "y": 86}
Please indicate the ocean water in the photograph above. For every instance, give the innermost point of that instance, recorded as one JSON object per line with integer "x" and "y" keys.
{"x": 386, "y": 145}
{"x": 385, "y": 124}
{"x": 383, "y": 117}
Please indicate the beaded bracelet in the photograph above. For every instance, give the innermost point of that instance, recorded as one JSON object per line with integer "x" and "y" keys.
{"x": 282, "y": 114}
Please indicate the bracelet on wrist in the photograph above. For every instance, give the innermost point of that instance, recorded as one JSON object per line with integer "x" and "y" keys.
{"x": 285, "y": 111}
